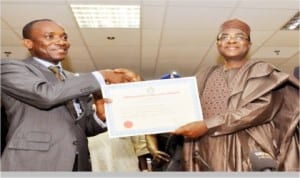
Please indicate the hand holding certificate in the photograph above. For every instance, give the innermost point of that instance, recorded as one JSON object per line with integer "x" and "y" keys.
{"x": 150, "y": 107}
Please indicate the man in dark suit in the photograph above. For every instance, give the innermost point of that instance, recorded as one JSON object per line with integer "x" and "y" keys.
{"x": 43, "y": 134}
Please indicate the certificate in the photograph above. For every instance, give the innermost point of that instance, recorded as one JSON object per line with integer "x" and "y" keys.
{"x": 151, "y": 107}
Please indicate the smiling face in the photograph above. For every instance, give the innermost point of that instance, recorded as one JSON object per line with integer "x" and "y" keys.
{"x": 47, "y": 41}
{"x": 233, "y": 44}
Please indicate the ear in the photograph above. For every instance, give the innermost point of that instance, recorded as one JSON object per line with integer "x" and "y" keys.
{"x": 27, "y": 43}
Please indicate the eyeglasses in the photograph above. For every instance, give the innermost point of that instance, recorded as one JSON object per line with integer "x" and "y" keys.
{"x": 226, "y": 38}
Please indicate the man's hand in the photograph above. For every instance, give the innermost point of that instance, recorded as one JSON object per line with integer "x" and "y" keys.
{"x": 133, "y": 77}
{"x": 160, "y": 156}
{"x": 119, "y": 76}
{"x": 100, "y": 107}
{"x": 192, "y": 130}
{"x": 152, "y": 146}
{"x": 112, "y": 76}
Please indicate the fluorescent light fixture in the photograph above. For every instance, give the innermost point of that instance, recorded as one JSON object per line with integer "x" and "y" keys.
{"x": 293, "y": 23}
{"x": 106, "y": 16}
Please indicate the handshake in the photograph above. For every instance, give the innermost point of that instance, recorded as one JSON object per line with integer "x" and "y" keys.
{"x": 112, "y": 76}
{"x": 119, "y": 76}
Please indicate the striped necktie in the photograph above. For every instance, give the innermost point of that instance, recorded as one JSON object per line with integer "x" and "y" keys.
{"x": 58, "y": 74}
{"x": 70, "y": 104}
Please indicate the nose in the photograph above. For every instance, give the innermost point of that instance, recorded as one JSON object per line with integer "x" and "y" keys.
{"x": 60, "y": 41}
{"x": 232, "y": 39}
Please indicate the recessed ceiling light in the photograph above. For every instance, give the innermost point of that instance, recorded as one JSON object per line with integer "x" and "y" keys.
{"x": 106, "y": 16}
{"x": 293, "y": 23}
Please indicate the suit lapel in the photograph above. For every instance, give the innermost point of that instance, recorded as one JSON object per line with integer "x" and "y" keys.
{"x": 45, "y": 72}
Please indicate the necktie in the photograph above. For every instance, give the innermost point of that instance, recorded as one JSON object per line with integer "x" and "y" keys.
{"x": 58, "y": 74}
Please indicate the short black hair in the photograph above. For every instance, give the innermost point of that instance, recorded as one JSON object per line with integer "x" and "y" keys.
{"x": 28, "y": 27}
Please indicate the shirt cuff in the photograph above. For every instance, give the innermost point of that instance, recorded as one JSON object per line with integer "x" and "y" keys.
{"x": 99, "y": 78}
{"x": 99, "y": 121}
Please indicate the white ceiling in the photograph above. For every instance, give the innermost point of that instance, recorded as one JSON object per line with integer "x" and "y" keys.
{"x": 174, "y": 35}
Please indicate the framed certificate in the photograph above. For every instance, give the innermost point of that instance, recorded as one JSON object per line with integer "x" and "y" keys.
{"x": 151, "y": 107}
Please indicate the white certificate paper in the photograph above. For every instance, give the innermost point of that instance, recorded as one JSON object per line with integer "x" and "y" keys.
{"x": 151, "y": 107}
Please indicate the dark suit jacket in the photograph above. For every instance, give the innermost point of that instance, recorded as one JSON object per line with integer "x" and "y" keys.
{"x": 42, "y": 134}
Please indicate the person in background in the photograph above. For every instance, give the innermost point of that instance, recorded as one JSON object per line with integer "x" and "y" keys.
{"x": 166, "y": 151}
{"x": 141, "y": 151}
{"x": 248, "y": 106}
{"x": 125, "y": 154}
{"x": 49, "y": 110}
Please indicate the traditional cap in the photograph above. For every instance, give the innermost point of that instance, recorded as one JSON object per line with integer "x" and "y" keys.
{"x": 236, "y": 23}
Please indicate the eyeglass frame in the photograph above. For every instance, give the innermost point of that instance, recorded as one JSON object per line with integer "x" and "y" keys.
{"x": 240, "y": 37}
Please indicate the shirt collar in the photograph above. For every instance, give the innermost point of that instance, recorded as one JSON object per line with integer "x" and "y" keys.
{"x": 46, "y": 63}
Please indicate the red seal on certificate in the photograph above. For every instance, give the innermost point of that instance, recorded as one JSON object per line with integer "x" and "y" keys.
{"x": 128, "y": 124}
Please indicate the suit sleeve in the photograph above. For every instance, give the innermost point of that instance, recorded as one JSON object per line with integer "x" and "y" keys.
{"x": 25, "y": 83}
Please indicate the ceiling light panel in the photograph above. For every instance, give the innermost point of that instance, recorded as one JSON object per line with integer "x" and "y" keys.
{"x": 293, "y": 23}
{"x": 106, "y": 16}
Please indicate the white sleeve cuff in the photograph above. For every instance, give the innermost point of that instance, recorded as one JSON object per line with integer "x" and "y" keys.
{"x": 99, "y": 78}
{"x": 99, "y": 121}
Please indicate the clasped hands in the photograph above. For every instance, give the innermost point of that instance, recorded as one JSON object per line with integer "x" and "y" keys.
{"x": 110, "y": 76}
{"x": 120, "y": 75}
